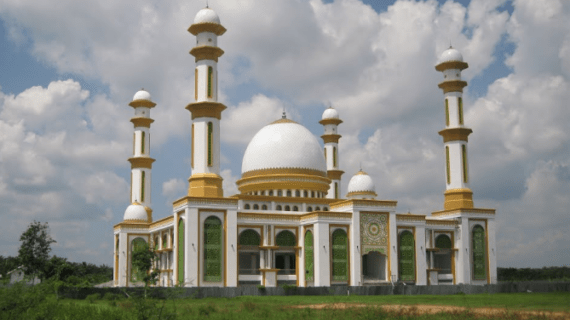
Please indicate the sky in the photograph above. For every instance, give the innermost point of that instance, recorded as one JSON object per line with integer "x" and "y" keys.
{"x": 68, "y": 70}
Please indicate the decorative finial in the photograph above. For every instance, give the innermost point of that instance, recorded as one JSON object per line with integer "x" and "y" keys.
{"x": 142, "y": 88}
{"x": 360, "y": 165}
{"x": 207, "y": 4}
{"x": 284, "y": 116}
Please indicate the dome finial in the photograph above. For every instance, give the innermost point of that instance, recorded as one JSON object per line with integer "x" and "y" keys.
{"x": 284, "y": 116}
{"x": 207, "y": 4}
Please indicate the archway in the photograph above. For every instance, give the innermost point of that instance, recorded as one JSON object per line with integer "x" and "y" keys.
{"x": 374, "y": 266}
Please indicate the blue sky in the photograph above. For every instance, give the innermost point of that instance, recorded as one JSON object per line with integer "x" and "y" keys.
{"x": 68, "y": 71}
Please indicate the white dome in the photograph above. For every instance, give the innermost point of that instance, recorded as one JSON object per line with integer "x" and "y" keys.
{"x": 207, "y": 15}
{"x": 450, "y": 54}
{"x": 283, "y": 144}
{"x": 361, "y": 182}
{"x": 142, "y": 95}
{"x": 330, "y": 113}
{"x": 135, "y": 212}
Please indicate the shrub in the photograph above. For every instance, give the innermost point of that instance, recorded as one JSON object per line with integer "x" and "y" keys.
{"x": 111, "y": 296}
{"x": 93, "y": 297}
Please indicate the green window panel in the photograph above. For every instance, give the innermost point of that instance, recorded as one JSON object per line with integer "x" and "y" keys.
{"x": 443, "y": 242}
{"x": 460, "y": 105}
{"x": 249, "y": 237}
{"x": 447, "y": 112}
{"x": 447, "y": 169}
{"x": 181, "y": 251}
{"x": 479, "y": 253}
{"x": 339, "y": 255}
{"x": 286, "y": 238}
{"x": 210, "y": 75}
{"x": 334, "y": 156}
{"x": 156, "y": 243}
{"x": 407, "y": 257}
{"x": 309, "y": 257}
{"x": 213, "y": 249}
{"x": 464, "y": 158}
{"x": 142, "y": 186}
{"x": 210, "y": 138}
{"x": 336, "y": 190}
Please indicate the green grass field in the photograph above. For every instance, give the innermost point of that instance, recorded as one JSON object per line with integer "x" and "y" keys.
{"x": 281, "y": 307}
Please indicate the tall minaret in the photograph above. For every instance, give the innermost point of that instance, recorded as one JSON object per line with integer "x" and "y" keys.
{"x": 206, "y": 111}
{"x": 330, "y": 121}
{"x": 457, "y": 193}
{"x": 141, "y": 162}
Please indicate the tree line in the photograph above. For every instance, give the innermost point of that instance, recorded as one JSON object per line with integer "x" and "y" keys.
{"x": 534, "y": 274}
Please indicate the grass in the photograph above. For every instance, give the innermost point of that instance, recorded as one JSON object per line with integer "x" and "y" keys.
{"x": 280, "y": 307}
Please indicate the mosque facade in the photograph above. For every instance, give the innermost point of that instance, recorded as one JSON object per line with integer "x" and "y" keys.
{"x": 289, "y": 223}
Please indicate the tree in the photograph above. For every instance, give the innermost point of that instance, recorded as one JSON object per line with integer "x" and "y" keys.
{"x": 35, "y": 248}
{"x": 143, "y": 259}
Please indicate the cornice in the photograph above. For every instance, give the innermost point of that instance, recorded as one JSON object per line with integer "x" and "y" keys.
{"x": 208, "y": 109}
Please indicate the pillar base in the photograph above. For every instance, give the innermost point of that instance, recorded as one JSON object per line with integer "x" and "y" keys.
{"x": 458, "y": 198}
{"x": 205, "y": 185}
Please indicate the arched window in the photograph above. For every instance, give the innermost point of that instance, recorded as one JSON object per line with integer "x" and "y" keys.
{"x": 213, "y": 249}
{"x": 286, "y": 238}
{"x": 249, "y": 241}
{"x": 407, "y": 257}
{"x": 210, "y": 141}
{"x": 287, "y": 208}
{"x": 312, "y": 194}
{"x": 142, "y": 142}
{"x": 460, "y": 109}
{"x": 271, "y": 193}
{"x": 446, "y": 112}
{"x": 288, "y": 193}
{"x": 264, "y": 207}
{"x": 309, "y": 209}
{"x": 447, "y": 165}
{"x": 339, "y": 255}
{"x": 136, "y": 244}
{"x": 334, "y": 157}
{"x": 297, "y": 193}
{"x": 442, "y": 258}
{"x": 280, "y": 193}
{"x": 210, "y": 75}
{"x": 295, "y": 208}
{"x": 325, "y": 209}
{"x": 165, "y": 242}
{"x": 309, "y": 257}
{"x": 142, "y": 186}
{"x": 278, "y": 208}
{"x": 479, "y": 253}
{"x": 255, "y": 207}
{"x": 156, "y": 243}
{"x": 305, "y": 193}
{"x": 246, "y": 207}
{"x": 317, "y": 208}
{"x": 464, "y": 158}
{"x": 180, "y": 247}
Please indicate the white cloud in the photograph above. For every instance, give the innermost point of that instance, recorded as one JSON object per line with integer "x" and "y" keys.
{"x": 174, "y": 189}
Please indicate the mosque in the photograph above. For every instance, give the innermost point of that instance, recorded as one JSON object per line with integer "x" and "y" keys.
{"x": 289, "y": 223}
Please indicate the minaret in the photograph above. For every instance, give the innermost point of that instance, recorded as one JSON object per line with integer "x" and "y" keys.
{"x": 457, "y": 193}
{"x": 206, "y": 111}
{"x": 141, "y": 162}
{"x": 330, "y": 120}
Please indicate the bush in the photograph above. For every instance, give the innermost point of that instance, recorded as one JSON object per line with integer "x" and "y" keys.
{"x": 109, "y": 296}
{"x": 93, "y": 297}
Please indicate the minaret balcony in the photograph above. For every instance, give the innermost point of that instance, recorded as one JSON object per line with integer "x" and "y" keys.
{"x": 452, "y": 86}
{"x": 142, "y": 122}
{"x": 331, "y": 138}
{"x": 206, "y": 53}
{"x": 455, "y": 134}
{"x": 206, "y": 109}
{"x": 141, "y": 162}
{"x": 216, "y": 28}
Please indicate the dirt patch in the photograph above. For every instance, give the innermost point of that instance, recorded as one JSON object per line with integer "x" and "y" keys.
{"x": 435, "y": 309}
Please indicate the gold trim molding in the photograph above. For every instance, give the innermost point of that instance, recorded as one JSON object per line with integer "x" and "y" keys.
{"x": 142, "y": 122}
{"x": 451, "y": 65}
{"x": 205, "y": 201}
{"x": 331, "y": 138}
{"x": 463, "y": 211}
{"x": 455, "y": 134}
{"x": 410, "y": 217}
{"x": 206, "y": 53}
{"x": 206, "y": 109}
{"x": 141, "y": 162}
{"x": 282, "y": 171}
{"x": 142, "y": 103}
{"x": 458, "y": 199}
{"x": 215, "y": 28}
{"x": 452, "y": 86}
{"x": 363, "y": 203}
{"x": 205, "y": 185}
{"x": 330, "y": 121}
{"x": 334, "y": 174}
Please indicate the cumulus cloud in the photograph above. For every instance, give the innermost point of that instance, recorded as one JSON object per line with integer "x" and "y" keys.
{"x": 174, "y": 189}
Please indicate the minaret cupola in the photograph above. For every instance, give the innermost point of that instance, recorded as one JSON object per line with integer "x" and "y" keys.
{"x": 361, "y": 186}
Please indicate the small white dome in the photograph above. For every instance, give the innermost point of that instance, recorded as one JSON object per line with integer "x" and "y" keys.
{"x": 361, "y": 182}
{"x": 450, "y": 54}
{"x": 283, "y": 144}
{"x": 142, "y": 95}
{"x": 135, "y": 212}
{"x": 207, "y": 15}
{"x": 330, "y": 113}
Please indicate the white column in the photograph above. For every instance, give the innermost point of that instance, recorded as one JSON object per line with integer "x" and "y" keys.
{"x": 322, "y": 254}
